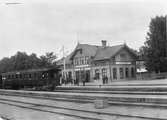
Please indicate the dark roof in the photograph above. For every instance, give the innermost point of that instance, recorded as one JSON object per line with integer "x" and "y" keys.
{"x": 107, "y": 52}
{"x": 87, "y": 50}
{"x": 97, "y": 52}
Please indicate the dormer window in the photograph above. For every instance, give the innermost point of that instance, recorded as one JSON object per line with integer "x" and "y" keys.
{"x": 122, "y": 55}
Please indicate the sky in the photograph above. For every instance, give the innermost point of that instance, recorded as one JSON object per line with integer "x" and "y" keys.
{"x": 40, "y": 26}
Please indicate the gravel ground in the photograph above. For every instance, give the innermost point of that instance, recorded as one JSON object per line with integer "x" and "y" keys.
{"x": 15, "y": 113}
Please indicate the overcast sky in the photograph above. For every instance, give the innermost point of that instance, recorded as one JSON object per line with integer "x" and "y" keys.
{"x": 41, "y": 26}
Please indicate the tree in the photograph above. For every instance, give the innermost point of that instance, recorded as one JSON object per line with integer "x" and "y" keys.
{"x": 5, "y": 65}
{"x": 155, "y": 47}
{"x": 48, "y": 59}
{"x": 22, "y": 61}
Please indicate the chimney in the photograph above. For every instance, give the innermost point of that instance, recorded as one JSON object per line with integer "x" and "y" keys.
{"x": 104, "y": 43}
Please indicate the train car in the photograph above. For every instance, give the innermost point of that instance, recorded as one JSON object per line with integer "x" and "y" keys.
{"x": 31, "y": 78}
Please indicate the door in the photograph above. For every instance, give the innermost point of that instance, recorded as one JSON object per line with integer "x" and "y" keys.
{"x": 77, "y": 77}
{"x": 87, "y": 78}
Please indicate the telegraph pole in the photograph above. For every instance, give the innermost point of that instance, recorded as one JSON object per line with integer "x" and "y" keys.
{"x": 64, "y": 63}
{"x": 166, "y": 33}
{"x": 166, "y": 28}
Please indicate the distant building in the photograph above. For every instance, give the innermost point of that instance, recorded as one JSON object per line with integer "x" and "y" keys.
{"x": 99, "y": 64}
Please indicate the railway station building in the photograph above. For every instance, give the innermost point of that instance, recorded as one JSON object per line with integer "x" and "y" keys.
{"x": 91, "y": 64}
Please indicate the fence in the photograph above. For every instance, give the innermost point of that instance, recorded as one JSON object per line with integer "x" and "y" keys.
{"x": 151, "y": 76}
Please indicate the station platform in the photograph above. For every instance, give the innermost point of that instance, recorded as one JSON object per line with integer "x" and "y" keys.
{"x": 161, "y": 82}
{"x": 152, "y": 93}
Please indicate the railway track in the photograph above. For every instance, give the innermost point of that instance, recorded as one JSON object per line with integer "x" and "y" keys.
{"x": 116, "y": 92}
{"x": 72, "y": 112}
{"x": 125, "y": 101}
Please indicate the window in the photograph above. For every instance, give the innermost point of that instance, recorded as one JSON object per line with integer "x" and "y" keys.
{"x": 82, "y": 75}
{"x": 87, "y": 76}
{"x": 97, "y": 74}
{"x": 127, "y": 72}
{"x": 82, "y": 60}
{"x": 132, "y": 72}
{"x": 79, "y": 61}
{"x": 70, "y": 75}
{"x": 86, "y": 59}
{"x": 76, "y": 61}
{"x": 121, "y": 73}
{"x": 104, "y": 72}
{"x": 114, "y": 73}
{"x": 104, "y": 76}
{"x": 123, "y": 55}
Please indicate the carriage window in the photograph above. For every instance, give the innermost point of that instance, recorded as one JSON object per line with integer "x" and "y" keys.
{"x": 35, "y": 75}
{"x": 9, "y": 76}
{"x": 29, "y": 75}
{"x": 12, "y": 76}
{"x": 16, "y": 76}
{"x": 24, "y": 75}
{"x": 20, "y": 75}
{"x": 44, "y": 75}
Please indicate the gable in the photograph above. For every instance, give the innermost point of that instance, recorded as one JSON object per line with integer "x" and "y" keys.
{"x": 79, "y": 53}
{"x": 124, "y": 55}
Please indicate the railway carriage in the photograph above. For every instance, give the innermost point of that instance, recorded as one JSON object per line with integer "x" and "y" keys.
{"x": 30, "y": 78}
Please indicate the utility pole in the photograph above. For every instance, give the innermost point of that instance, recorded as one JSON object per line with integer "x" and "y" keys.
{"x": 64, "y": 63}
{"x": 166, "y": 34}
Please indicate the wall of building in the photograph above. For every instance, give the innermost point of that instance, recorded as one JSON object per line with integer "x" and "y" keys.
{"x": 123, "y": 63}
